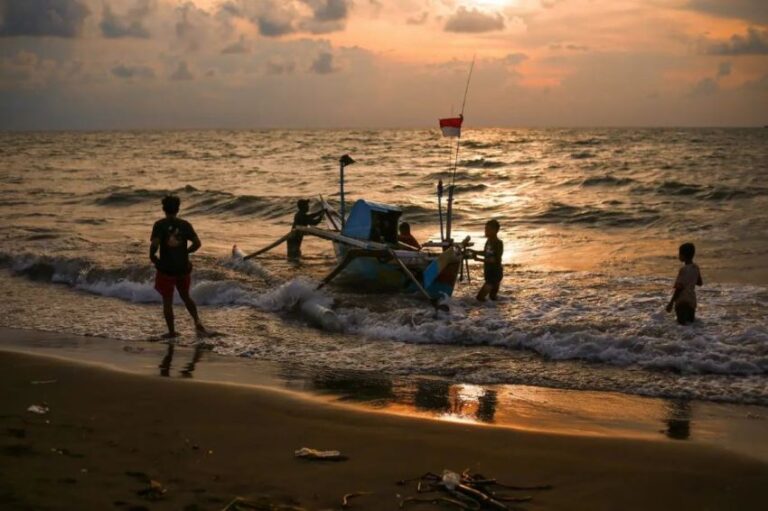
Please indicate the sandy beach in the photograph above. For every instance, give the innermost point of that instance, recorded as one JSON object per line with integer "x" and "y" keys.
{"x": 108, "y": 434}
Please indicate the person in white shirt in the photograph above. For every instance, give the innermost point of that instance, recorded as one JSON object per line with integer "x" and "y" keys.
{"x": 689, "y": 276}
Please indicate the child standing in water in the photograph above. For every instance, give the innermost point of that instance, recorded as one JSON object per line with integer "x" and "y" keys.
{"x": 491, "y": 257}
{"x": 689, "y": 276}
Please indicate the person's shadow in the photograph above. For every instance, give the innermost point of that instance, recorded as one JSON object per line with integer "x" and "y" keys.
{"x": 189, "y": 368}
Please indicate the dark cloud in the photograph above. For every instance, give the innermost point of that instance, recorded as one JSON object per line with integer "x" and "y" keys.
{"x": 128, "y": 72}
{"x": 724, "y": 69}
{"x": 474, "y": 21}
{"x": 418, "y": 20}
{"x": 751, "y": 10}
{"x": 129, "y": 25}
{"x": 328, "y": 10}
{"x": 276, "y": 18}
{"x": 182, "y": 72}
{"x": 274, "y": 27}
{"x": 58, "y": 18}
{"x": 754, "y": 43}
{"x": 323, "y": 64}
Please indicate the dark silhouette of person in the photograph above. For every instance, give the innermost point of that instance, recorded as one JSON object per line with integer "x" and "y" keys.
{"x": 302, "y": 218}
{"x": 407, "y": 238}
{"x": 172, "y": 236}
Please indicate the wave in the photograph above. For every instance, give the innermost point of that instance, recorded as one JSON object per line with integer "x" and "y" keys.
{"x": 482, "y": 163}
{"x": 704, "y": 192}
{"x": 582, "y": 155}
{"x": 557, "y": 212}
{"x": 606, "y": 180}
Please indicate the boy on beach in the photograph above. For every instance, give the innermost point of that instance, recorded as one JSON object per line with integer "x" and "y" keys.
{"x": 172, "y": 235}
{"x": 491, "y": 257}
{"x": 689, "y": 276}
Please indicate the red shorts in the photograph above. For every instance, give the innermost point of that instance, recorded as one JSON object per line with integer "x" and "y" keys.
{"x": 164, "y": 284}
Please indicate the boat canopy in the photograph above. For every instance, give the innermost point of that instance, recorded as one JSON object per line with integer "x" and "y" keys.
{"x": 373, "y": 221}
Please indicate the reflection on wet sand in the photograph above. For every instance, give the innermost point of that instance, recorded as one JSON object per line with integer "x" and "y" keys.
{"x": 189, "y": 368}
{"x": 678, "y": 420}
{"x": 519, "y": 406}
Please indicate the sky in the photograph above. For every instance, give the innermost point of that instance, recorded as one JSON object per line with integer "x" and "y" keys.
{"x": 166, "y": 64}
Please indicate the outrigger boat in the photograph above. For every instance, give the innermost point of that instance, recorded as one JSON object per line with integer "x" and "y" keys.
{"x": 366, "y": 245}
{"x": 370, "y": 256}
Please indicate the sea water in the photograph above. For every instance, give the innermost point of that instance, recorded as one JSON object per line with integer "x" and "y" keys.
{"x": 590, "y": 218}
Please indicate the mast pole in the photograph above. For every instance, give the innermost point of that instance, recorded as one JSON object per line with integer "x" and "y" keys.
{"x": 449, "y": 212}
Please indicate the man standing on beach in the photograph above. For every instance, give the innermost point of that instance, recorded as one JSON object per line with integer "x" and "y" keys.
{"x": 172, "y": 235}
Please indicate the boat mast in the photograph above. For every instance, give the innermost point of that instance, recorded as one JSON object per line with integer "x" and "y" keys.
{"x": 451, "y": 187}
{"x": 343, "y": 162}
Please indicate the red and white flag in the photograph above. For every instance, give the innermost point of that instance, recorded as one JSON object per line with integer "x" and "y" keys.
{"x": 451, "y": 127}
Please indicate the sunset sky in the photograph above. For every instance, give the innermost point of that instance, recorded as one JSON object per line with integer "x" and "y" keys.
{"x": 112, "y": 64}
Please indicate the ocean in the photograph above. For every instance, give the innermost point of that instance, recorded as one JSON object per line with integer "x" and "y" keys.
{"x": 590, "y": 218}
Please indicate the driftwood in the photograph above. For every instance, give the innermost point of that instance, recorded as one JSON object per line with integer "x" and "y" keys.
{"x": 471, "y": 492}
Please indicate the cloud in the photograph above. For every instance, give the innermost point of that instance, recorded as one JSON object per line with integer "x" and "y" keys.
{"x": 192, "y": 26}
{"x": 474, "y": 21}
{"x": 759, "y": 85}
{"x": 275, "y": 25}
{"x": 240, "y": 46}
{"x": 568, "y": 46}
{"x": 280, "y": 68}
{"x": 514, "y": 59}
{"x": 755, "y": 11}
{"x": 323, "y": 64}
{"x": 129, "y": 25}
{"x": 328, "y": 10}
{"x": 705, "y": 87}
{"x": 182, "y": 72}
{"x": 58, "y": 18}
{"x": 418, "y": 20}
{"x": 327, "y": 16}
{"x": 127, "y": 72}
{"x": 754, "y": 43}
{"x": 724, "y": 69}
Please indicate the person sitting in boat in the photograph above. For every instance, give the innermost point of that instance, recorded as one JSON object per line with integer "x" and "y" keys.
{"x": 302, "y": 218}
{"x": 406, "y": 238}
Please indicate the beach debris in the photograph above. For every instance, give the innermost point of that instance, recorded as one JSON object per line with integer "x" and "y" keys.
{"x": 315, "y": 454}
{"x": 39, "y": 409}
{"x": 42, "y": 382}
{"x": 155, "y": 491}
{"x": 466, "y": 491}
{"x": 346, "y": 498}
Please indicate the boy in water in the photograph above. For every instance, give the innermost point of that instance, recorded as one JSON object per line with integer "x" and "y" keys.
{"x": 491, "y": 257}
{"x": 302, "y": 218}
{"x": 171, "y": 235}
{"x": 689, "y": 276}
{"x": 406, "y": 236}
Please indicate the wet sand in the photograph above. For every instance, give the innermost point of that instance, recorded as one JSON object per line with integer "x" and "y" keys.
{"x": 108, "y": 433}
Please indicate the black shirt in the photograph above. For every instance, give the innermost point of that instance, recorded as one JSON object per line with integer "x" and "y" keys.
{"x": 174, "y": 234}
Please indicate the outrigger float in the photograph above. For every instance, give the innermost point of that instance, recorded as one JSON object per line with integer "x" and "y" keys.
{"x": 367, "y": 249}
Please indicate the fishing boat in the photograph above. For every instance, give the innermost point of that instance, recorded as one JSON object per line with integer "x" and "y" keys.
{"x": 369, "y": 255}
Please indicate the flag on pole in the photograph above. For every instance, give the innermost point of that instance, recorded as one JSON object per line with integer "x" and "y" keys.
{"x": 451, "y": 127}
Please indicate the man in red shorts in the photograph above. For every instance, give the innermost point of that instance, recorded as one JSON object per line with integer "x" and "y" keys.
{"x": 172, "y": 235}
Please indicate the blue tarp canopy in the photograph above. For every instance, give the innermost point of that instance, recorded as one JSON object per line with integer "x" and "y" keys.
{"x": 372, "y": 221}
